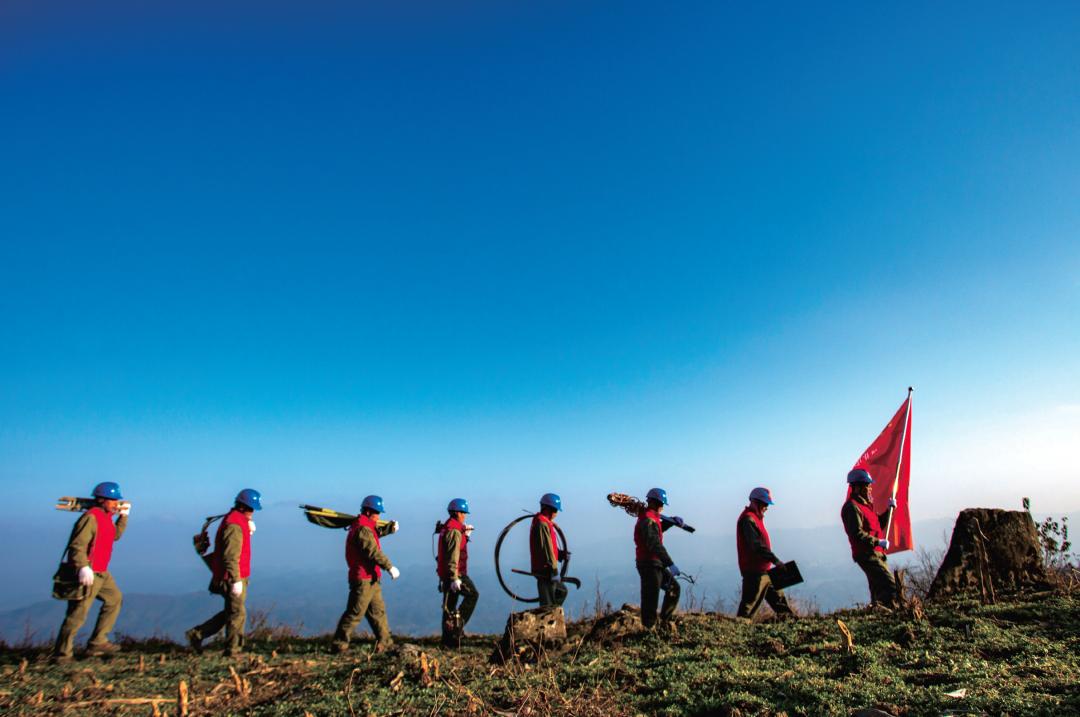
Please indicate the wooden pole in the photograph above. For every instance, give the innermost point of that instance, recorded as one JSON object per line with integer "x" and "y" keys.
{"x": 899, "y": 462}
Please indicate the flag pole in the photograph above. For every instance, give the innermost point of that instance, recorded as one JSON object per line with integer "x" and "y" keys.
{"x": 899, "y": 461}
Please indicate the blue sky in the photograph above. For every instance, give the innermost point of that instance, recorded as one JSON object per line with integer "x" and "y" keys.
{"x": 432, "y": 251}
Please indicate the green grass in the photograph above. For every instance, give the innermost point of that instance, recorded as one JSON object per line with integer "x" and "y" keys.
{"x": 1018, "y": 658}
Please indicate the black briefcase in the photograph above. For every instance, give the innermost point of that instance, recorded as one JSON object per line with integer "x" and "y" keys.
{"x": 785, "y": 575}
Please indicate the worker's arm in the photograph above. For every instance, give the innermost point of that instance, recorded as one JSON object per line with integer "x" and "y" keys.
{"x": 540, "y": 542}
{"x": 232, "y": 542}
{"x": 78, "y": 549}
{"x": 452, "y": 550}
{"x": 653, "y": 543}
{"x": 121, "y": 526}
{"x": 752, "y": 536}
{"x": 371, "y": 549}
{"x": 855, "y": 526}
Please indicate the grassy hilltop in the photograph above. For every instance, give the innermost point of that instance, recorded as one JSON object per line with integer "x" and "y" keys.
{"x": 1020, "y": 657}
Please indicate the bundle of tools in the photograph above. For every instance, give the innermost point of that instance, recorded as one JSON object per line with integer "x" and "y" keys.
{"x": 80, "y": 505}
{"x": 329, "y": 518}
{"x": 636, "y": 506}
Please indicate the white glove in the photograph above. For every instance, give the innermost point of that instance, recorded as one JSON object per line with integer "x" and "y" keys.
{"x": 883, "y": 544}
{"x": 455, "y": 585}
{"x": 125, "y": 510}
{"x": 892, "y": 502}
{"x": 86, "y": 576}
{"x": 468, "y": 530}
{"x": 251, "y": 526}
{"x": 394, "y": 573}
{"x": 237, "y": 589}
{"x": 394, "y": 526}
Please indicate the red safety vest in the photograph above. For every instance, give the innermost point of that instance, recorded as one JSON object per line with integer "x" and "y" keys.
{"x": 641, "y": 551}
{"x": 874, "y": 528}
{"x": 234, "y": 517}
{"x": 443, "y": 569}
{"x": 749, "y": 560}
{"x": 100, "y": 549}
{"x": 361, "y": 566}
{"x": 540, "y": 562}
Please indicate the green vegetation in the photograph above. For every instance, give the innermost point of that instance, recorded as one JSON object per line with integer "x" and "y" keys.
{"x": 1020, "y": 658}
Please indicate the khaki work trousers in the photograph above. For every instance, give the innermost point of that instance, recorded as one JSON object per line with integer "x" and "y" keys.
{"x": 231, "y": 617}
{"x": 880, "y": 579}
{"x": 757, "y": 587}
{"x": 653, "y": 579}
{"x": 552, "y": 592}
{"x": 365, "y": 600}
{"x": 103, "y": 589}
{"x": 453, "y": 626}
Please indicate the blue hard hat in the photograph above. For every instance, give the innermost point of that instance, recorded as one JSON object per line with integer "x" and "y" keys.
{"x": 108, "y": 490}
{"x": 858, "y": 475}
{"x": 250, "y": 497}
{"x": 458, "y": 505}
{"x": 657, "y": 494}
{"x": 762, "y": 494}
{"x": 373, "y": 502}
{"x": 551, "y": 500}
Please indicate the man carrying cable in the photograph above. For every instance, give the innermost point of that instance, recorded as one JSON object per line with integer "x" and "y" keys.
{"x": 453, "y": 567}
{"x": 89, "y": 550}
{"x": 655, "y": 567}
{"x": 544, "y": 552}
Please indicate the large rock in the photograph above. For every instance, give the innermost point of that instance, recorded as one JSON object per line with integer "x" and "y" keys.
{"x": 531, "y": 634}
{"x": 991, "y": 551}
{"x": 626, "y": 621}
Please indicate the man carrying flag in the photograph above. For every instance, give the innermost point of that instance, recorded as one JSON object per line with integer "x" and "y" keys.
{"x": 876, "y": 519}
{"x": 867, "y": 538}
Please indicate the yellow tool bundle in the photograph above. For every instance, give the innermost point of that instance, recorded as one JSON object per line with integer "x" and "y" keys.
{"x": 329, "y": 518}
{"x": 80, "y": 505}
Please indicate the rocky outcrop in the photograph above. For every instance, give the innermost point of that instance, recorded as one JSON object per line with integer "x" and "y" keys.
{"x": 991, "y": 551}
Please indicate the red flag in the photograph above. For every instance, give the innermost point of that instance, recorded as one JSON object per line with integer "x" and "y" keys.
{"x": 888, "y": 461}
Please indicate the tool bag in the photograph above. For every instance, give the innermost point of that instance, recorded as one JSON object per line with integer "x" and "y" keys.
{"x": 201, "y": 541}
{"x": 65, "y": 582}
{"x": 785, "y": 575}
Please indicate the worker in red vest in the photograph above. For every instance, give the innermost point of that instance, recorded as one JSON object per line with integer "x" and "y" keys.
{"x": 544, "y": 552}
{"x": 230, "y": 564}
{"x": 756, "y": 558}
{"x": 88, "y": 550}
{"x": 453, "y": 569}
{"x": 867, "y": 538}
{"x": 655, "y": 567}
{"x": 366, "y": 561}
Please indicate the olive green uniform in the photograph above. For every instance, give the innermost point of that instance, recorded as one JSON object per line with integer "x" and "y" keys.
{"x": 233, "y": 616}
{"x": 103, "y": 589}
{"x": 455, "y": 617}
{"x": 758, "y": 587}
{"x": 552, "y": 592}
{"x": 655, "y": 576}
{"x": 365, "y": 596}
{"x": 879, "y": 578}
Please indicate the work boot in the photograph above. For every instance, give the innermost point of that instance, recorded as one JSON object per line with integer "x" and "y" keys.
{"x": 61, "y": 660}
{"x": 339, "y": 647}
{"x": 194, "y": 640}
{"x": 102, "y": 649}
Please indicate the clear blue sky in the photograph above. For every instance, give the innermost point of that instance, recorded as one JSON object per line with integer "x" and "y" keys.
{"x": 492, "y": 249}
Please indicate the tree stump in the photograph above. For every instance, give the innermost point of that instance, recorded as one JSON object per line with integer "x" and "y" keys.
{"x": 528, "y": 633}
{"x": 991, "y": 550}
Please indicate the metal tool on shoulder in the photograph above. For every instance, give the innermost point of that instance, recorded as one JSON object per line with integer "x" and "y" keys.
{"x": 636, "y": 506}
{"x": 81, "y": 505}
